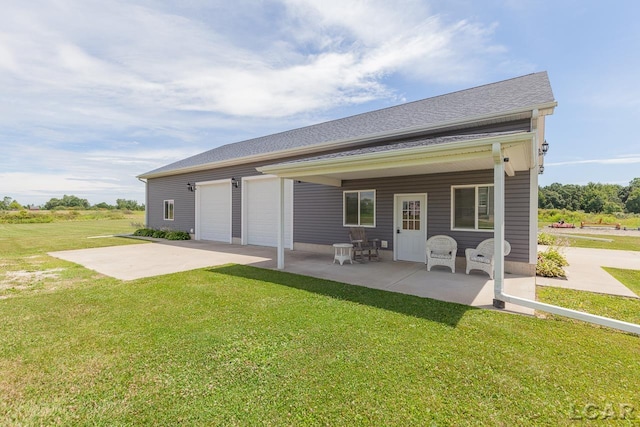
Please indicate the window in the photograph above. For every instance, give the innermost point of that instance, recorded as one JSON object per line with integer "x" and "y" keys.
{"x": 168, "y": 210}
{"x": 472, "y": 207}
{"x": 360, "y": 208}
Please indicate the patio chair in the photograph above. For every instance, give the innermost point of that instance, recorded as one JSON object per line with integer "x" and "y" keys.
{"x": 481, "y": 258}
{"x": 441, "y": 250}
{"x": 362, "y": 245}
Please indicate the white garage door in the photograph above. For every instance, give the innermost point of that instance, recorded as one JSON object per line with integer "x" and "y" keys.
{"x": 213, "y": 210}
{"x": 261, "y": 211}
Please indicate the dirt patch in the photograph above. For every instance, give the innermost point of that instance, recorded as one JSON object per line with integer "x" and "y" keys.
{"x": 21, "y": 278}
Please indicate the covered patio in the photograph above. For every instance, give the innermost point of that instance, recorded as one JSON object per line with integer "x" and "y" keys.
{"x": 132, "y": 262}
{"x": 503, "y": 152}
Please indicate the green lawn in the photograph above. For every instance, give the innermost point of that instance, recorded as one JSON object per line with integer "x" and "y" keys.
{"x": 25, "y": 265}
{"x": 237, "y": 345}
{"x": 624, "y": 243}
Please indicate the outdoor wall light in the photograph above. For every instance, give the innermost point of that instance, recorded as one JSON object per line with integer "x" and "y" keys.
{"x": 541, "y": 170}
{"x": 235, "y": 182}
{"x": 545, "y": 148}
{"x": 191, "y": 187}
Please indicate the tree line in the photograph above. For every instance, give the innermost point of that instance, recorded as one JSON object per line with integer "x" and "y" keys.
{"x": 591, "y": 198}
{"x": 72, "y": 202}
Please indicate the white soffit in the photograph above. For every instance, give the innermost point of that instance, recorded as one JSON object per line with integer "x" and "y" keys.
{"x": 465, "y": 156}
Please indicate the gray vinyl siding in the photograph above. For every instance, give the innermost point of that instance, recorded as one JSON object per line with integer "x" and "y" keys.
{"x": 318, "y": 209}
{"x": 175, "y": 187}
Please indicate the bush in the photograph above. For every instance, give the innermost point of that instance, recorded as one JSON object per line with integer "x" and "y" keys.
{"x": 550, "y": 263}
{"x": 25, "y": 217}
{"x": 144, "y": 232}
{"x": 162, "y": 234}
{"x": 177, "y": 235}
{"x": 159, "y": 234}
{"x": 546, "y": 239}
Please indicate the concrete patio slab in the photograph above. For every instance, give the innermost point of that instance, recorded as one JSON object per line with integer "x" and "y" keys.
{"x": 585, "y": 271}
{"x": 131, "y": 262}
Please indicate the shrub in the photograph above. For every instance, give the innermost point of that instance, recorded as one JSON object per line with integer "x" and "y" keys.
{"x": 25, "y": 217}
{"x": 550, "y": 263}
{"x": 546, "y": 239}
{"x": 144, "y": 232}
{"x": 162, "y": 234}
{"x": 159, "y": 234}
{"x": 177, "y": 235}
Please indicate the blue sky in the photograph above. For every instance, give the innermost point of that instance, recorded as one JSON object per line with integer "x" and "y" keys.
{"x": 93, "y": 93}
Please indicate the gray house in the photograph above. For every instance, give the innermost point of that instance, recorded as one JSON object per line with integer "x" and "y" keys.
{"x": 464, "y": 164}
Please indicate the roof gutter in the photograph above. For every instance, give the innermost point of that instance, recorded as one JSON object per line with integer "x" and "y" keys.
{"x": 544, "y": 109}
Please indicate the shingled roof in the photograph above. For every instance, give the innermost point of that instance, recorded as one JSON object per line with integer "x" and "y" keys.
{"x": 504, "y": 97}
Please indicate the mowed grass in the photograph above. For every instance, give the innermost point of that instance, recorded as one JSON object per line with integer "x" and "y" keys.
{"x": 623, "y": 243}
{"x": 616, "y": 307}
{"x": 237, "y": 345}
{"x": 25, "y": 265}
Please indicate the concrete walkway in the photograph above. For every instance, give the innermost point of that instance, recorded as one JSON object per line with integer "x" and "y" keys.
{"x": 131, "y": 262}
{"x": 585, "y": 271}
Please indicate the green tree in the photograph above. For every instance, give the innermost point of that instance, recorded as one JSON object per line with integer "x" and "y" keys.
{"x": 67, "y": 202}
{"x": 633, "y": 201}
{"x": 103, "y": 205}
{"x": 593, "y": 199}
{"x": 131, "y": 205}
{"x": 5, "y": 202}
{"x": 15, "y": 206}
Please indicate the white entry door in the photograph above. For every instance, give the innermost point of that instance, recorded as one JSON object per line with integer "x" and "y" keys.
{"x": 410, "y": 227}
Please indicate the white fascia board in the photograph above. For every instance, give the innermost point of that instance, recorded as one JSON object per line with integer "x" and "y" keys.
{"x": 544, "y": 109}
{"x": 449, "y": 152}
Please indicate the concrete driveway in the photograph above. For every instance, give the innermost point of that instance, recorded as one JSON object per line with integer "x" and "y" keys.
{"x": 585, "y": 271}
{"x": 131, "y": 262}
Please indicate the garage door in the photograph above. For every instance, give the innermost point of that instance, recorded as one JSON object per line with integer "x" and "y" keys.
{"x": 213, "y": 211}
{"x": 261, "y": 212}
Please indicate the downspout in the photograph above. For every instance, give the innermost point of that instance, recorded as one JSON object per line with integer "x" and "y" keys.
{"x": 146, "y": 201}
{"x": 500, "y": 297}
{"x": 281, "y": 224}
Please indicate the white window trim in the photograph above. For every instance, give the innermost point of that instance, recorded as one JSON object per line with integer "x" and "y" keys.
{"x": 165, "y": 211}
{"x": 375, "y": 208}
{"x": 475, "y": 207}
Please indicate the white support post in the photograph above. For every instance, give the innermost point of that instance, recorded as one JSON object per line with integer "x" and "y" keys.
{"x": 281, "y": 215}
{"x": 498, "y": 224}
{"x": 533, "y": 185}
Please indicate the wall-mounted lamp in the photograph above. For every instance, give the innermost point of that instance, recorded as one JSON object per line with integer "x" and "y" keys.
{"x": 191, "y": 187}
{"x": 235, "y": 182}
{"x": 541, "y": 170}
{"x": 545, "y": 148}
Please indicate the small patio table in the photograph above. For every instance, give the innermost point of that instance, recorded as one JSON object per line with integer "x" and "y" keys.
{"x": 342, "y": 252}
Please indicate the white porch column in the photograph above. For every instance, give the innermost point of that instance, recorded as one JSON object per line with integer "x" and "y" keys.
{"x": 280, "y": 223}
{"x": 498, "y": 224}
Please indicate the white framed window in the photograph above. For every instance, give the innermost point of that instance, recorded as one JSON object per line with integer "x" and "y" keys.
{"x": 168, "y": 210}
{"x": 359, "y": 208}
{"x": 472, "y": 207}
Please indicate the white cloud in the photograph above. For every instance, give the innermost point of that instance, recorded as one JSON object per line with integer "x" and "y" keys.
{"x": 113, "y": 89}
{"x": 107, "y": 59}
{"x": 623, "y": 160}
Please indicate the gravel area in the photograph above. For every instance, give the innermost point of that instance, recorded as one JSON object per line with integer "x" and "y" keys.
{"x": 609, "y": 231}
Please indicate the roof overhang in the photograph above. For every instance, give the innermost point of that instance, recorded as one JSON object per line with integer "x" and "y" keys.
{"x": 474, "y": 154}
{"x": 492, "y": 118}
